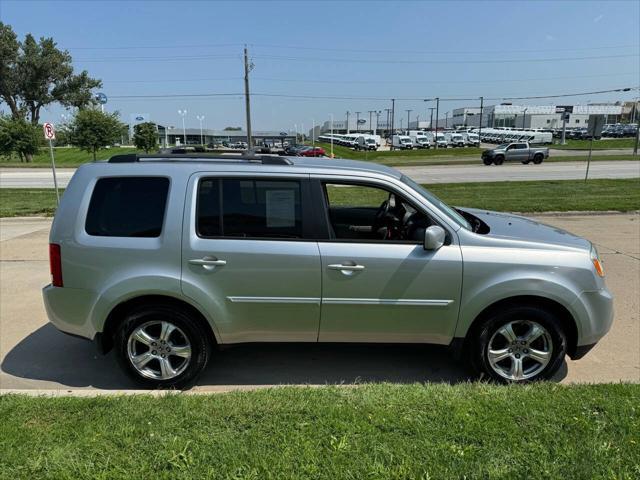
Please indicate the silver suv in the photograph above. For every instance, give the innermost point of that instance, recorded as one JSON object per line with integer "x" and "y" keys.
{"x": 162, "y": 258}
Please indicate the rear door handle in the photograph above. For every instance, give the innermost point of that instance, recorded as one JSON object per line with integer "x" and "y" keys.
{"x": 349, "y": 268}
{"x": 209, "y": 263}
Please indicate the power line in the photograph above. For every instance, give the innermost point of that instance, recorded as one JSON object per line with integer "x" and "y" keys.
{"x": 164, "y": 59}
{"x": 350, "y": 50}
{"x": 440, "y": 51}
{"x": 419, "y": 82}
{"x": 417, "y": 62}
{"x": 336, "y": 97}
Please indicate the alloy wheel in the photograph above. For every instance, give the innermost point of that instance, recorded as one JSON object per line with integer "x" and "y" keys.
{"x": 520, "y": 350}
{"x": 159, "y": 350}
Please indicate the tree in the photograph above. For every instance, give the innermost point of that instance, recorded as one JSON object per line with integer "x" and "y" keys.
{"x": 35, "y": 74}
{"x": 145, "y": 136}
{"x": 92, "y": 130}
{"x": 20, "y": 137}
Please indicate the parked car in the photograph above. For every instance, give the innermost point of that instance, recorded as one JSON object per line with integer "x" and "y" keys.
{"x": 313, "y": 152}
{"x": 521, "y": 152}
{"x": 163, "y": 258}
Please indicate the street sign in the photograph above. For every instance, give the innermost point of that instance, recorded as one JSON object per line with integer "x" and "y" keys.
{"x": 564, "y": 108}
{"x": 49, "y": 131}
{"x": 101, "y": 98}
{"x": 596, "y": 123}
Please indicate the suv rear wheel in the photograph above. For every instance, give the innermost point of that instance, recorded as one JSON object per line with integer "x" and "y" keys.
{"x": 162, "y": 346}
{"x": 519, "y": 344}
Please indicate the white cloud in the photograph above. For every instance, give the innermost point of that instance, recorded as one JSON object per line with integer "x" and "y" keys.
{"x": 598, "y": 18}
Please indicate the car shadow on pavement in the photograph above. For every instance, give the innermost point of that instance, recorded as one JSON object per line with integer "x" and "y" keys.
{"x": 50, "y": 356}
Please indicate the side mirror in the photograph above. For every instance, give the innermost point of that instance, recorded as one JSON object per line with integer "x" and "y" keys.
{"x": 434, "y": 237}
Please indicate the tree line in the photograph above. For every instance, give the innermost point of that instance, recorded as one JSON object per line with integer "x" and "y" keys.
{"x": 34, "y": 74}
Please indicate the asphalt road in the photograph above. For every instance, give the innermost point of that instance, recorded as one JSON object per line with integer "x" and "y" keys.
{"x": 35, "y": 357}
{"x": 42, "y": 178}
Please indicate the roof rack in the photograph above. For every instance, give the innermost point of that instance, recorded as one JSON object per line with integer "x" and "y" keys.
{"x": 201, "y": 157}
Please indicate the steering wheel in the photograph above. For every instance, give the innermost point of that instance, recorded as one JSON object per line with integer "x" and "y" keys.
{"x": 385, "y": 221}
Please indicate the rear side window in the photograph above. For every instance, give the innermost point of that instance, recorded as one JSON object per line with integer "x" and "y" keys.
{"x": 127, "y": 207}
{"x": 246, "y": 208}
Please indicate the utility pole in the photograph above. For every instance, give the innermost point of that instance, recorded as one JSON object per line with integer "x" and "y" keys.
{"x": 347, "y": 126}
{"x": 480, "y": 125}
{"x": 357, "y": 121}
{"x": 378, "y": 112}
{"x": 393, "y": 117}
{"x": 408, "y": 118}
{"x": 431, "y": 119}
{"x": 247, "y": 68}
{"x": 388, "y": 110}
{"x": 437, "y": 115}
{"x": 635, "y": 147}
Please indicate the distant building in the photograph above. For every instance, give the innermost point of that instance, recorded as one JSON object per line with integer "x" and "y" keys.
{"x": 175, "y": 136}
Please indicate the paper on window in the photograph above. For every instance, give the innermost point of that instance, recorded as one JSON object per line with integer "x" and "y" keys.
{"x": 281, "y": 208}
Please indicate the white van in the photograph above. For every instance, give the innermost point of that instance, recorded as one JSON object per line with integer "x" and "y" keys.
{"x": 403, "y": 142}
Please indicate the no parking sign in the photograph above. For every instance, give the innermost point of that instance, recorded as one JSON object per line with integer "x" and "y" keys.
{"x": 50, "y": 134}
{"x": 49, "y": 131}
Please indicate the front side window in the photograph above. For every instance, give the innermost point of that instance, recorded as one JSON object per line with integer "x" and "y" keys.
{"x": 127, "y": 207}
{"x": 247, "y": 208}
{"x": 370, "y": 213}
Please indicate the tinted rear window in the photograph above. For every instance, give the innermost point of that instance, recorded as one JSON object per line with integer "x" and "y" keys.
{"x": 248, "y": 208}
{"x": 127, "y": 207}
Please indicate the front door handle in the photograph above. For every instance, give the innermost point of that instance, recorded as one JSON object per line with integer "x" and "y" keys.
{"x": 208, "y": 263}
{"x": 347, "y": 268}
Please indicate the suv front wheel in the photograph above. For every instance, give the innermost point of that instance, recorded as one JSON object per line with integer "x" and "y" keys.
{"x": 162, "y": 346}
{"x": 519, "y": 344}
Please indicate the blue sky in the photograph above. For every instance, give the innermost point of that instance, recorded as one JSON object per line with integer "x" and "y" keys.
{"x": 408, "y": 50}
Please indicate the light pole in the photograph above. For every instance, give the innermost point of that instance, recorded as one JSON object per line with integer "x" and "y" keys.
{"x": 446, "y": 120}
{"x": 408, "y": 118}
{"x": 370, "y": 124}
{"x": 347, "y": 125}
{"x": 331, "y": 120}
{"x": 313, "y": 132}
{"x": 480, "y": 123}
{"x": 388, "y": 110}
{"x": 295, "y": 127}
{"x": 524, "y": 117}
{"x": 378, "y": 112}
{"x": 431, "y": 118}
{"x": 437, "y": 115}
{"x": 183, "y": 113}
{"x": 358, "y": 121}
{"x": 200, "y": 119}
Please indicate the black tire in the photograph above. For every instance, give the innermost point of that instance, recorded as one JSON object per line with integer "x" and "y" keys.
{"x": 187, "y": 325}
{"x": 499, "y": 160}
{"x": 478, "y": 343}
{"x": 487, "y": 161}
{"x": 538, "y": 158}
{"x": 526, "y": 162}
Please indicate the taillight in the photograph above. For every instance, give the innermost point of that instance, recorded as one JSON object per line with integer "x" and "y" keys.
{"x": 55, "y": 264}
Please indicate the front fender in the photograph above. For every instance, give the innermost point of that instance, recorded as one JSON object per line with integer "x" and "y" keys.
{"x": 476, "y": 300}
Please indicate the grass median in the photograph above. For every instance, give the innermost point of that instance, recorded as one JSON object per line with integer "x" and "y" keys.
{"x": 369, "y": 431}
{"x": 533, "y": 196}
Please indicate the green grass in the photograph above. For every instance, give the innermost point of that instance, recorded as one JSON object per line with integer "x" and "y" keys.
{"x": 603, "y": 144}
{"x": 366, "y": 432}
{"x": 19, "y": 202}
{"x": 64, "y": 157}
{"x": 532, "y": 196}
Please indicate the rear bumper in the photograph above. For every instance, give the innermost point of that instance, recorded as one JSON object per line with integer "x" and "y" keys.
{"x": 69, "y": 310}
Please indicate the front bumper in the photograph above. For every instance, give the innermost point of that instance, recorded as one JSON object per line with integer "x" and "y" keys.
{"x": 596, "y": 316}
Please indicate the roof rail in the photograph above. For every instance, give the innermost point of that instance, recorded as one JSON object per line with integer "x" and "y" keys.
{"x": 200, "y": 157}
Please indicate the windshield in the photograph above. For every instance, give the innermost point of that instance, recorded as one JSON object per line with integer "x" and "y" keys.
{"x": 502, "y": 146}
{"x": 444, "y": 208}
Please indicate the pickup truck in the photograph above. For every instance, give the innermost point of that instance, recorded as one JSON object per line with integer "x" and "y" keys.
{"x": 514, "y": 152}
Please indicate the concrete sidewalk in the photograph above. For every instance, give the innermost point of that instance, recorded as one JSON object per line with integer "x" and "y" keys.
{"x": 34, "y": 356}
